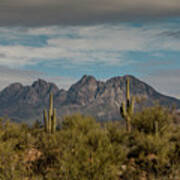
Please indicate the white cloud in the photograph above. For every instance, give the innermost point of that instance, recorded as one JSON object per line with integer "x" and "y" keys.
{"x": 81, "y": 44}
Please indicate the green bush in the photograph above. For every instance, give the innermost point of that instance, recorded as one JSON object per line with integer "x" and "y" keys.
{"x": 84, "y": 149}
{"x": 147, "y": 120}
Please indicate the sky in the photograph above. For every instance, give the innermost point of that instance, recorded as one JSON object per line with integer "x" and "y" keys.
{"x": 60, "y": 41}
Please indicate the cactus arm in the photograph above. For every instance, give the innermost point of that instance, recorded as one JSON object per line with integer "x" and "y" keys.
{"x": 51, "y": 104}
{"x": 51, "y": 101}
{"x": 50, "y": 115}
{"x": 45, "y": 120}
{"x": 53, "y": 129}
{"x": 123, "y": 110}
{"x": 126, "y": 116}
{"x": 49, "y": 121}
{"x": 127, "y": 90}
{"x": 131, "y": 107}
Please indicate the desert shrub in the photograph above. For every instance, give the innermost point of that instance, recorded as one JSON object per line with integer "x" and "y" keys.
{"x": 150, "y": 148}
{"x": 84, "y": 149}
{"x": 11, "y": 146}
{"x": 175, "y": 139}
{"x": 146, "y": 120}
{"x": 152, "y": 154}
{"x": 79, "y": 122}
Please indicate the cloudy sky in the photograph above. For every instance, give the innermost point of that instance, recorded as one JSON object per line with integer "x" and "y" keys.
{"x": 60, "y": 41}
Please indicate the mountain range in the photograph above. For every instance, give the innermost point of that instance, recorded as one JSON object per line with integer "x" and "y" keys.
{"x": 89, "y": 96}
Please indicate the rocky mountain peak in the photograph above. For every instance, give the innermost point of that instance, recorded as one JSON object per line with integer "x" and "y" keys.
{"x": 87, "y": 79}
{"x": 83, "y": 91}
{"x": 43, "y": 87}
{"x": 87, "y": 96}
{"x": 11, "y": 90}
{"x": 15, "y": 86}
{"x": 39, "y": 83}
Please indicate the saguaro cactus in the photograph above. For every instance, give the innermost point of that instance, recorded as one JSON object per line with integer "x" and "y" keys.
{"x": 53, "y": 125}
{"x": 45, "y": 120}
{"x": 50, "y": 122}
{"x": 127, "y": 107}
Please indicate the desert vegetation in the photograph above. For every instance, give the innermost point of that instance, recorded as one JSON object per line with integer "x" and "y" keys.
{"x": 85, "y": 149}
{"x": 147, "y": 147}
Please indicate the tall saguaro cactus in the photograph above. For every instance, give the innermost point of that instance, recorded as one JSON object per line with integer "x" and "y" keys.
{"x": 50, "y": 119}
{"x": 127, "y": 107}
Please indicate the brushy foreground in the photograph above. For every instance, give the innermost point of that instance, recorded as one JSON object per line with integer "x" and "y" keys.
{"x": 83, "y": 149}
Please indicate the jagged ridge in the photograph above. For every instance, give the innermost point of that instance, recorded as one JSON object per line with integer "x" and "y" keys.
{"x": 88, "y": 96}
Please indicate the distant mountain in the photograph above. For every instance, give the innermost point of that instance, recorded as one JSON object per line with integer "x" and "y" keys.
{"x": 88, "y": 96}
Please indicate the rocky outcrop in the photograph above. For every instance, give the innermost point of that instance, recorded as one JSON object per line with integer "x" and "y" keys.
{"x": 88, "y": 96}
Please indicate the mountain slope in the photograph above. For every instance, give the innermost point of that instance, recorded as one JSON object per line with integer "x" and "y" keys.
{"x": 88, "y": 96}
